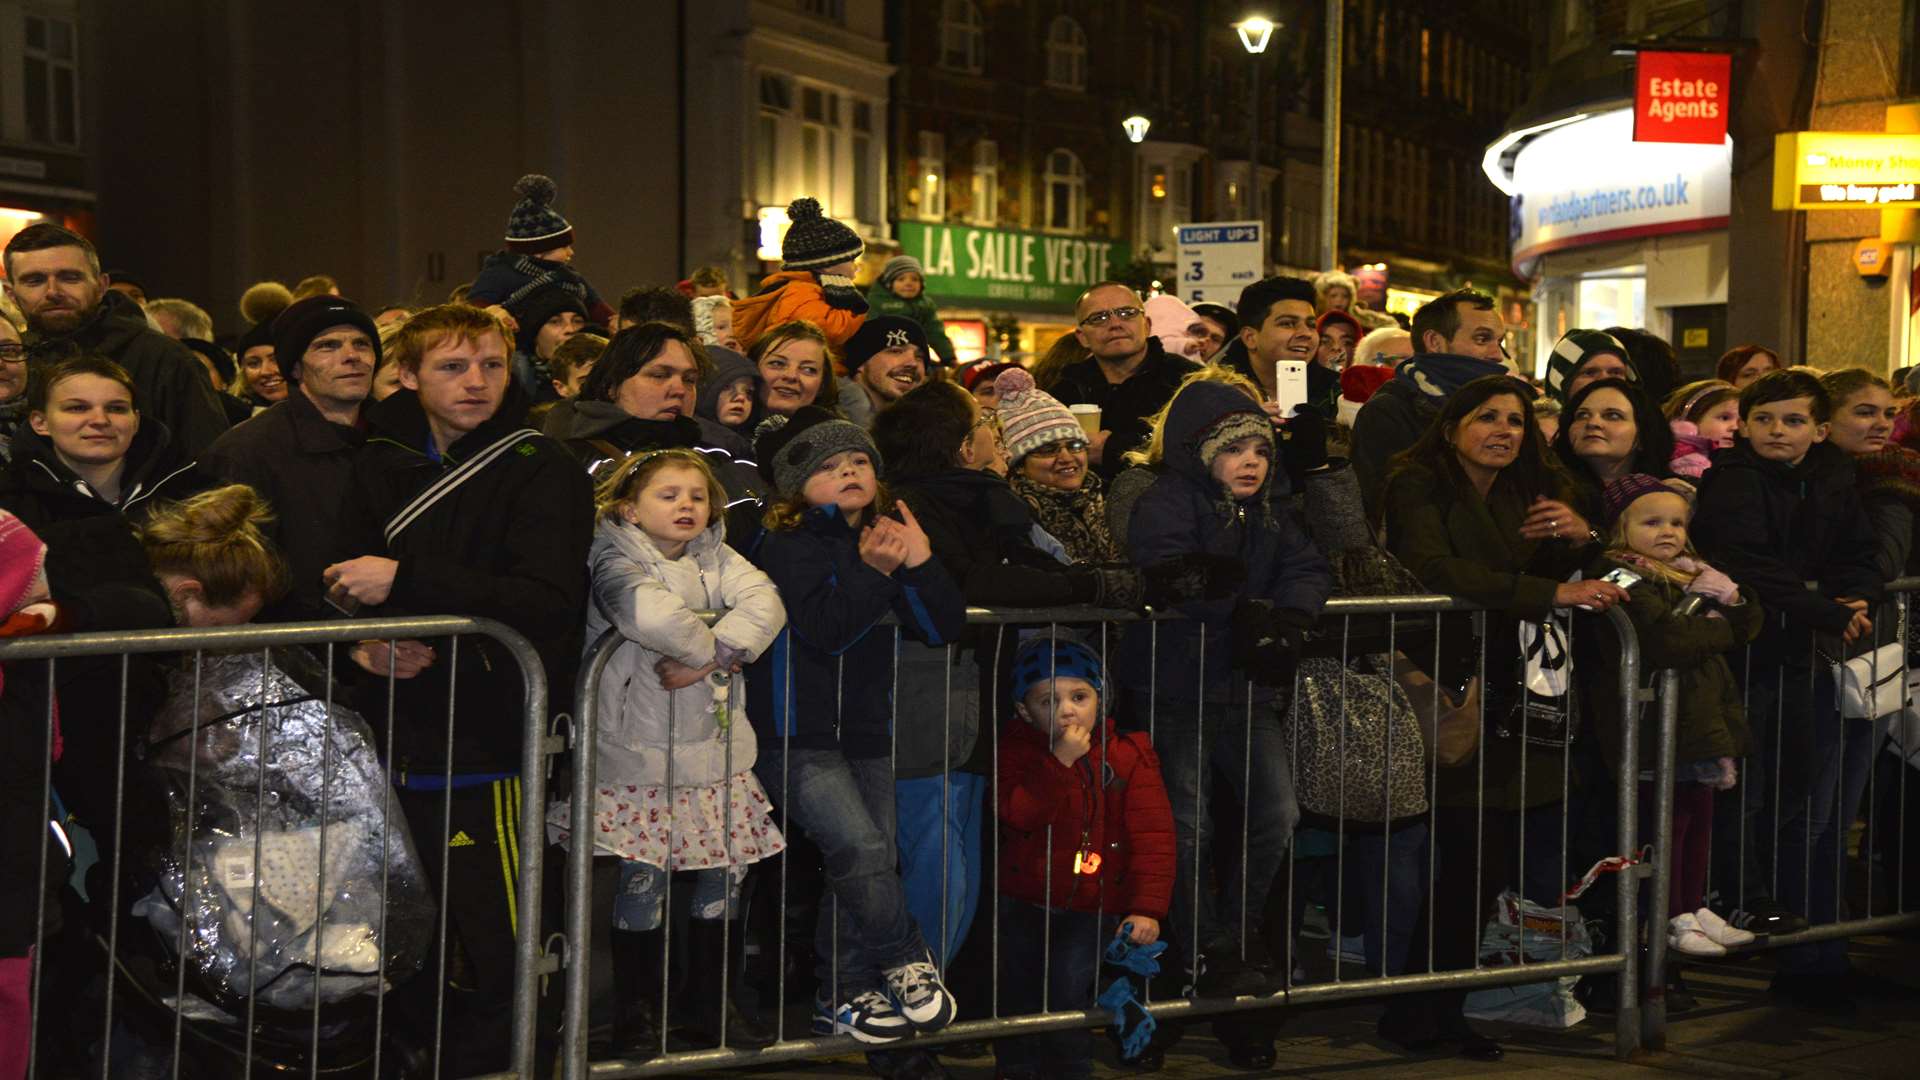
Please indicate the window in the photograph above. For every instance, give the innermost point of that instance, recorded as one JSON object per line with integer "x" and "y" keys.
{"x": 1066, "y": 55}
{"x": 819, "y": 143}
{"x": 1066, "y": 185}
{"x": 835, "y": 10}
{"x": 50, "y": 80}
{"x": 1426, "y": 61}
{"x": 962, "y": 41}
{"x": 986, "y": 183}
{"x": 866, "y": 165}
{"x": 933, "y": 176}
{"x": 776, "y": 103}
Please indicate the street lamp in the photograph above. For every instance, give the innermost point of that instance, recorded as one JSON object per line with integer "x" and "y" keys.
{"x": 1255, "y": 32}
{"x": 1136, "y": 127}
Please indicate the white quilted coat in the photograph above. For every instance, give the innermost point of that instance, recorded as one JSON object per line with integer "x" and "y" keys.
{"x": 651, "y": 601}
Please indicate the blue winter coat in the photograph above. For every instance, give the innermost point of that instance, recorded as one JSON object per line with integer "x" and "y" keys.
{"x": 832, "y": 666}
{"x": 1186, "y": 512}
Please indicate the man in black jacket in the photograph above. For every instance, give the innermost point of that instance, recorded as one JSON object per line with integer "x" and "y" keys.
{"x": 456, "y": 507}
{"x": 1458, "y": 339}
{"x": 1129, "y": 376}
{"x": 53, "y": 274}
{"x": 299, "y": 453}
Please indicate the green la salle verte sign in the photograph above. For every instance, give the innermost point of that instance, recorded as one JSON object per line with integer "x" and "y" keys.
{"x": 966, "y": 263}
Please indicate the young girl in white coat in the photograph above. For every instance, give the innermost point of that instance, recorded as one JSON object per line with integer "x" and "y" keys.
{"x": 659, "y": 556}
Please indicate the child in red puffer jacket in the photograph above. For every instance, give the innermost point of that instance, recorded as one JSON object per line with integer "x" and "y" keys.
{"x": 1093, "y": 800}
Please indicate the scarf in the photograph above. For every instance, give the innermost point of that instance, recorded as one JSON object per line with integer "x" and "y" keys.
{"x": 1078, "y": 518}
{"x": 1438, "y": 375}
{"x": 1891, "y": 473}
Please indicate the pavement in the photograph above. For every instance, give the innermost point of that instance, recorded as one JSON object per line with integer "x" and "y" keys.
{"x": 1735, "y": 1032}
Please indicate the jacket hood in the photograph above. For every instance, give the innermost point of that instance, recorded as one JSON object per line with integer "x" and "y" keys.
{"x": 728, "y": 367}
{"x": 1196, "y": 410}
{"x": 630, "y": 541}
{"x": 151, "y": 459}
{"x": 576, "y": 419}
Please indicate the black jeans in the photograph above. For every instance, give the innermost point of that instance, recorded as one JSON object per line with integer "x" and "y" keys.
{"x": 1069, "y": 951}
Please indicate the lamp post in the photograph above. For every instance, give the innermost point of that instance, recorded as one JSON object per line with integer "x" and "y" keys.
{"x": 1255, "y": 32}
{"x": 1330, "y": 144}
{"x": 1136, "y": 127}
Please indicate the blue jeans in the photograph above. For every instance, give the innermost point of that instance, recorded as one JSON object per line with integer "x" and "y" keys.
{"x": 1069, "y": 950}
{"x": 845, "y": 806}
{"x": 1396, "y": 863}
{"x": 1252, "y": 755}
{"x": 924, "y": 824}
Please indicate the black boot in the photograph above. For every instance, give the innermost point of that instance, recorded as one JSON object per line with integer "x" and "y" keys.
{"x": 636, "y": 993}
{"x": 700, "y": 1018}
{"x": 1449, "y": 1016}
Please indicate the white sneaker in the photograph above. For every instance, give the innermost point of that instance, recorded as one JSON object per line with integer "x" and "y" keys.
{"x": 1684, "y": 935}
{"x": 920, "y": 996}
{"x": 1717, "y": 928}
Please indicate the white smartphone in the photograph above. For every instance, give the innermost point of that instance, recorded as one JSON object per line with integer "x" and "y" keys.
{"x": 1622, "y": 577}
{"x": 1289, "y": 385}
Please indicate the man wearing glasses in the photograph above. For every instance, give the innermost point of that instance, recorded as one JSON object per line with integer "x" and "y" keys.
{"x": 13, "y": 384}
{"x": 1128, "y": 376}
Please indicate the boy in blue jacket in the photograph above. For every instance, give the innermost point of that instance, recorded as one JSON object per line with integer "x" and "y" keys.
{"x": 821, "y": 704}
{"x": 1216, "y": 678}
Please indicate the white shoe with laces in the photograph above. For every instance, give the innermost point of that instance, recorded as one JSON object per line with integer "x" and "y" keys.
{"x": 1685, "y": 935}
{"x": 920, "y": 996}
{"x": 1717, "y": 928}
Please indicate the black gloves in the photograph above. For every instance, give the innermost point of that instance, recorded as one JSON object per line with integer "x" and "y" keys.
{"x": 1184, "y": 579}
{"x": 1266, "y": 641}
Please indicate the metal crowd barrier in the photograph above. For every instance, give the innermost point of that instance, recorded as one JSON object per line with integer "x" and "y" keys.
{"x": 528, "y": 830}
{"x": 1405, "y": 616}
{"x": 1761, "y": 817}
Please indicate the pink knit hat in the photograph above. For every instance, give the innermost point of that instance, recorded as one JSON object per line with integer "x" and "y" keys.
{"x": 1030, "y": 418}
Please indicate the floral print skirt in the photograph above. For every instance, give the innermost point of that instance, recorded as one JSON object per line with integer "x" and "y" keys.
{"x": 633, "y": 823}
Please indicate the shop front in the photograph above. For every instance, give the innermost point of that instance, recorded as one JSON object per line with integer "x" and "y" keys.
{"x": 1613, "y": 232}
{"x": 1006, "y": 294}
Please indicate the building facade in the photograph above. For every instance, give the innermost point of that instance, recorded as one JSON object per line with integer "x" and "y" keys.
{"x": 45, "y": 170}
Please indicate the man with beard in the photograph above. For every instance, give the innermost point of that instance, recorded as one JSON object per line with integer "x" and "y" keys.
{"x": 299, "y": 453}
{"x": 886, "y": 358}
{"x": 53, "y": 274}
{"x": 1129, "y": 375}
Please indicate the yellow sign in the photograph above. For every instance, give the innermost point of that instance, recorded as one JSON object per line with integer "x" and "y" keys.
{"x": 1846, "y": 170}
{"x": 1694, "y": 337}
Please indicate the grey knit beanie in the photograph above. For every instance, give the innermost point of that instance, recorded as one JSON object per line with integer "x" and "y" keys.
{"x": 900, "y": 264}
{"x": 790, "y": 449}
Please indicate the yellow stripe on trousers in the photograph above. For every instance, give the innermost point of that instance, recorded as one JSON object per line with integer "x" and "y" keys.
{"x": 503, "y": 828}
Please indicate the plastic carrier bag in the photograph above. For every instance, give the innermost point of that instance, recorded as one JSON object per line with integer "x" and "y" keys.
{"x": 1522, "y": 926}
{"x": 290, "y": 834}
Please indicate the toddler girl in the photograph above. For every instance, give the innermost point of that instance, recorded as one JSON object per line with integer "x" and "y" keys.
{"x": 659, "y": 556}
{"x": 1704, "y": 417}
{"x": 1649, "y": 538}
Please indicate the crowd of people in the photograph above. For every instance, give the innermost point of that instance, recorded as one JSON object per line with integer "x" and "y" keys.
{"x": 782, "y": 505}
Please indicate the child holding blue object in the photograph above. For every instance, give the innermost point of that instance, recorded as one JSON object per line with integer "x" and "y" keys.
{"x": 822, "y": 708}
{"x": 1086, "y": 844}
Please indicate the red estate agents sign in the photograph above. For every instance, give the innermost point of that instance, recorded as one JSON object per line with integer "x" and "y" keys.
{"x": 1681, "y": 97}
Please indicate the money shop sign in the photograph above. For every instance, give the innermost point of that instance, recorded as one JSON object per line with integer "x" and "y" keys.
{"x": 1003, "y": 266}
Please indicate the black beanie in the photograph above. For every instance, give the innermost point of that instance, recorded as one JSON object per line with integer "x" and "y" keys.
{"x": 815, "y": 241}
{"x": 307, "y": 319}
{"x": 217, "y": 356}
{"x": 883, "y": 332}
{"x": 537, "y": 307}
{"x": 260, "y": 333}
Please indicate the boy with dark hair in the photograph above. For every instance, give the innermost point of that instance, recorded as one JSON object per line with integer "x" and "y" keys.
{"x": 654, "y": 303}
{"x": 1778, "y": 511}
{"x": 456, "y": 507}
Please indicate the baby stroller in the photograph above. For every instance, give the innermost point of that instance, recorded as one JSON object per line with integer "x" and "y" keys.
{"x": 290, "y": 895}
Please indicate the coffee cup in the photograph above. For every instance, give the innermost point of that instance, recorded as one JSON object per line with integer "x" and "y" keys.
{"x": 1089, "y": 417}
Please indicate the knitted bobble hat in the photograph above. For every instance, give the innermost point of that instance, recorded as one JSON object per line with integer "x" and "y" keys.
{"x": 790, "y": 449}
{"x": 1030, "y": 418}
{"x": 1625, "y": 491}
{"x": 1571, "y": 353}
{"x": 534, "y": 226}
{"x": 815, "y": 241}
{"x": 900, "y": 264}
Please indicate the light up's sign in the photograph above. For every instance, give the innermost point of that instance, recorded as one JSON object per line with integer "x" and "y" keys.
{"x": 1846, "y": 170}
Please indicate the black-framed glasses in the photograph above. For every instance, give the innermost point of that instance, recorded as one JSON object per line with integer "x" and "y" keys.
{"x": 1063, "y": 446}
{"x": 1099, "y": 318}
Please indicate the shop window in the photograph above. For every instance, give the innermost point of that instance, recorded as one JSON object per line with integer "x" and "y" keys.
{"x": 50, "y": 80}
{"x": 1066, "y": 186}
{"x": 962, "y": 37}
{"x": 1066, "y": 54}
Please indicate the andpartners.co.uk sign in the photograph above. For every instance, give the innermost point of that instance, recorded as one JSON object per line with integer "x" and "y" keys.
{"x": 1589, "y": 182}
{"x": 1024, "y": 269}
